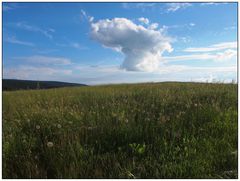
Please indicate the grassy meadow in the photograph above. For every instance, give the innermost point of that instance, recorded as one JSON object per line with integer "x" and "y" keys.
{"x": 154, "y": 130}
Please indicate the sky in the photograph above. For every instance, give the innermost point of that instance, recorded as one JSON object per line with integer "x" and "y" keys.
{"x": 102, "y": 43}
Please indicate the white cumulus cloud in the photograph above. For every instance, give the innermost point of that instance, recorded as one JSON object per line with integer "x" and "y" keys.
{"x": 153, "y": 26}
{"x": 141, "y": 46}
{"x": 143, "y": 20}
{"x": 172, "y": 7}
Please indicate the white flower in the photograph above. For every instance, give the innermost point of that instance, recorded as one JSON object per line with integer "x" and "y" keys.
{"x": 50, "y": 144}
{"x": 59, "y": 126}
{"x": 38, "y": 127}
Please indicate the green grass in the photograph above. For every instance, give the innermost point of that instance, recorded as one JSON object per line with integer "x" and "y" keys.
{"x": 164, "y": 130}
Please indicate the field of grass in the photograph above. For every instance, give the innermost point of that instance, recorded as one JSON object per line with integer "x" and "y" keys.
{"x": 164, "y": 130}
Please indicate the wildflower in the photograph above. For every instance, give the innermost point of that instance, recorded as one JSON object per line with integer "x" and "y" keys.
{"x": 195, "y": 105}
{"x": 182, "y": 112}
{"x": 38, "y": 127}
{"x": 126, "y": 121}
{"x": 59, "y": 126}
{"x": 50, "y": 144}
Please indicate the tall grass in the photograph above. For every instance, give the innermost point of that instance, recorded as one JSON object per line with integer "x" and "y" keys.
{"x": 165, "y": 130}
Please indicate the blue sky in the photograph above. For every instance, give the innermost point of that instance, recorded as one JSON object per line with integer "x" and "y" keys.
{"x": 100, "y": 43}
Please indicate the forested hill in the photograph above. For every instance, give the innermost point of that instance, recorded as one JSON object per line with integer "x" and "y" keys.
{"x": 14, "y": 84}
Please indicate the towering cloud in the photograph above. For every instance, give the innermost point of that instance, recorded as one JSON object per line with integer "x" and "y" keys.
{"x": 142, "y": 47}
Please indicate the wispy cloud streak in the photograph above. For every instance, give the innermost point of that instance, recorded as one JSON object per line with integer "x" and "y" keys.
{"x": 215, "y": 47}
{"x": 46, "y": 32}
{"x": 14, "y": 40}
